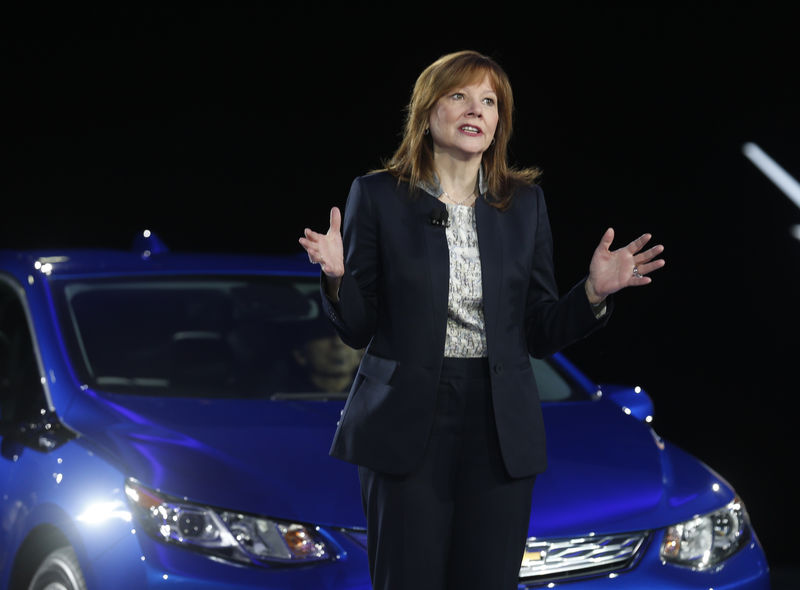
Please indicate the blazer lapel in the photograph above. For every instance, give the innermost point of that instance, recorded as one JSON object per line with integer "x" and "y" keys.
{"x": 490, "y": 245}
{"x": 438, "y": 257}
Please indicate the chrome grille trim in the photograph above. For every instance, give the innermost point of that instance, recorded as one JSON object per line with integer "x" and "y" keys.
{"x": 579, "y": 556}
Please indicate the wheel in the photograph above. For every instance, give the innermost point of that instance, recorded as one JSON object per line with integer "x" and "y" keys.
{"x": 59, "y": 571}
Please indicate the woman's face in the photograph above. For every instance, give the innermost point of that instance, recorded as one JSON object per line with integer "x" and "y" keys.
{"x": 463, "y": 121}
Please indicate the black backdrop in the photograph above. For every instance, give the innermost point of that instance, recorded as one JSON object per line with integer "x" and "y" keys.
{"x": 233, "y": 128}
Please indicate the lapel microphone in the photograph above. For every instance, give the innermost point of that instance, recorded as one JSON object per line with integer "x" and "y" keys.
{"x": 439, "y": 217}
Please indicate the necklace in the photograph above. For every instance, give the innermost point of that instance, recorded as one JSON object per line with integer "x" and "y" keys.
{"x": 447, "y": 196}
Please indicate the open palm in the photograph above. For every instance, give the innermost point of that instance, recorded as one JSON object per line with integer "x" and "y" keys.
{"x": 612, "y": 270}
{"x": 326, "y": 249}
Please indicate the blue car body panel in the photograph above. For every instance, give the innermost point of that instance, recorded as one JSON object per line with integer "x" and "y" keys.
{"x": 608, "y": 471}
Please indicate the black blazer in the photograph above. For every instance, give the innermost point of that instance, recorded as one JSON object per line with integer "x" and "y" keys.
{"x": 393, "y": 300}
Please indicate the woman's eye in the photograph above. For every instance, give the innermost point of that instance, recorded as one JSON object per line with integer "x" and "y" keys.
{"x": 457, "y": 96}
{"x": 488, "y": 101}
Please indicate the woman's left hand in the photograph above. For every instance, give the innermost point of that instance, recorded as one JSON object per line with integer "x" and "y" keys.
{"x": 610, "y": 271}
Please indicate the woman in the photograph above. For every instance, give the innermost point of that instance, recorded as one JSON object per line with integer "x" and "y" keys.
{"x": 444, "y": 272}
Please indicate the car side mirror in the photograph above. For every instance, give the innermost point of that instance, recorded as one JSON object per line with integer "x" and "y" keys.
{"x": 44, "y": 433}
{"x": 633, "y": 400}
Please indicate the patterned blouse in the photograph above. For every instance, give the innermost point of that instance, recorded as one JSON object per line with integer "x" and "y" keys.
{"x": 466, "y": 336}
{"x": 465, "y": 327}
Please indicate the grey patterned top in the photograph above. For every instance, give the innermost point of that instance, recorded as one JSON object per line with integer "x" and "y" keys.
{"x": 465, "y": 335}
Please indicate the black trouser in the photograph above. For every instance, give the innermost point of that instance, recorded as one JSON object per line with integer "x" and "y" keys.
{"x": 458, "y": 521}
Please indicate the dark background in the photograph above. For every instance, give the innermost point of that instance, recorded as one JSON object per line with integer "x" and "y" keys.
{"x": 234, "y": 128}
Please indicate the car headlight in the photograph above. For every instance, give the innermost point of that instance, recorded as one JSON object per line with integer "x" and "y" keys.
{"x": 230, "y": 535}
{"x": 705, "y": 541}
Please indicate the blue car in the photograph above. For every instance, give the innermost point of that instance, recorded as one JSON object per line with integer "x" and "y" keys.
{"x": 165, "y": 422}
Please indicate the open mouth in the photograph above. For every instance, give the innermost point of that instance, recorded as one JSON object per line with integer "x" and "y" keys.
{"x": 470, "y": 130}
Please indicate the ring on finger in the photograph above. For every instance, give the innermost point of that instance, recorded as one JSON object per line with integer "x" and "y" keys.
{"x": 636, "y": 273}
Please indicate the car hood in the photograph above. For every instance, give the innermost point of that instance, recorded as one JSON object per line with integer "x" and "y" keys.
{"x": 606, "y": 472}
{"x": 259, "y": 456}
{"x": 609, "y": 472}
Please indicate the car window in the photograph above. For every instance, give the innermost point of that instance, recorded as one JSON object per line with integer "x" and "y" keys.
{"x": 219, "y": 336}
{"x": 554, "y": 383}
{"x": 21, "y": 392}
{"x": 206, "y": 336}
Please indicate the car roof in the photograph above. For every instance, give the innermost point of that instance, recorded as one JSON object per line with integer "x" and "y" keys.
{"x": 146, "y": 257}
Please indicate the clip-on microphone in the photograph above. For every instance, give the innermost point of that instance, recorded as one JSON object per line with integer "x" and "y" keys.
{"x": 440, "y": 218}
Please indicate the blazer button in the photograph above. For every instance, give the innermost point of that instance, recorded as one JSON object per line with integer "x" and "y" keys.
{"x": 498, "y": 368}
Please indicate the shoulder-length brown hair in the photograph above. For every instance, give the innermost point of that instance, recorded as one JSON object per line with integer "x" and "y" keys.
{"x": 413, "y": 160}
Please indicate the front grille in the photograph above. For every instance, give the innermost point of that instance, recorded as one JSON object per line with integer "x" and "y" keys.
{"x": 559, "y": 558}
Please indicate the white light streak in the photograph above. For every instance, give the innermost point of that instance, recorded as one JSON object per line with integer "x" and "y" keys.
{"x": 102, "y": 512}
{"x": 772, "y": 170}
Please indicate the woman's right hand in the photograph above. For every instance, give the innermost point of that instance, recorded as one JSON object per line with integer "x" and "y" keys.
{"x": 326, "y": 249}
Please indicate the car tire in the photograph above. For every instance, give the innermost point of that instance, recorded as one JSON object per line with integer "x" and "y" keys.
{"x": 59, "y": 570}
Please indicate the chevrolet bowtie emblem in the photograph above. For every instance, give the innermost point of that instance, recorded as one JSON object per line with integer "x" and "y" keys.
{"x": 535, "y": 555}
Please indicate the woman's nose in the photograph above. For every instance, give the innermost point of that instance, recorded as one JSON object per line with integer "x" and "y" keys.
{"x": 475, "y": 108}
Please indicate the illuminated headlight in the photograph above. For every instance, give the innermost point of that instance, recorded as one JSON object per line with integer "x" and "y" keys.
{"x": 229, "y": 535}
{"x": 705, "y": 541}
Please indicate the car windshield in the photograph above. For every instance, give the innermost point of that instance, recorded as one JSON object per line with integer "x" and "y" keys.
{"x": 240, "y": 336}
